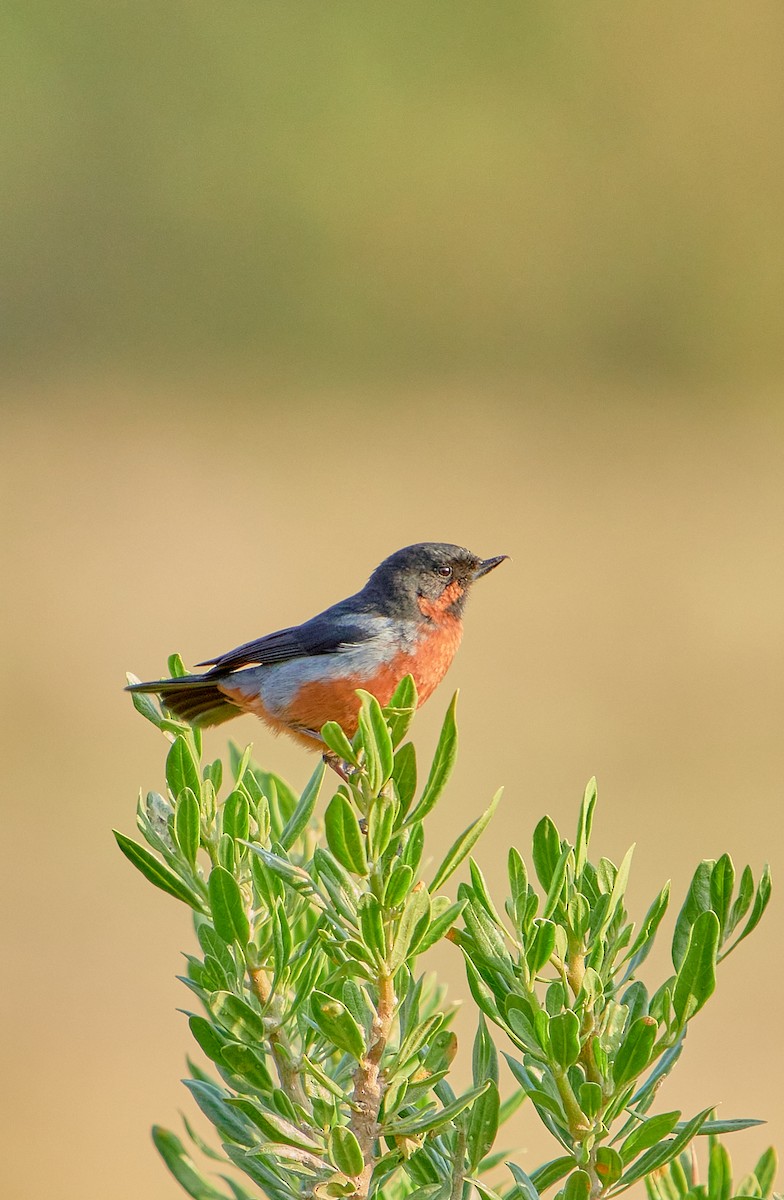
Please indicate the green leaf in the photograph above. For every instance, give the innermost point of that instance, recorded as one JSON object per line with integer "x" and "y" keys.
{"x": 644, "y": 1095}
{"x": 345, "y": 1151}
{"x": 663, "y": 1152}
{"x": 635, "y": 1051}
{"x": 421, "y": 1122}
{"x": 729, "y": 1126}
{"x": 584, "y": 826}
{"x": 484, "y": 1059}
{"x": 549, "y": 1109}
{"x": 236, "y": 815}
{"x": 441, "y": 1053}
{"x": 557, "y": 881}
{"x": 258, "y": 1166}
{"x": 405, "y": 776}
{"x": 482, "y": 894}
{"x": 143, "y": 703}
{"x": 484, "y": 931}
{"x": 698, "y": 900}
{"x": 441, "y": 768}
{"x": 210, "y": 1041}
{"x": 540, "y": 946}
{"x": 237, "y": 1018}
{"x": 344, "y": 836}
{"x": 546, "y": 851}
{"x": 518, "y": 877}
{"x": 609, "y": 1165}
{"x": 743, "y": 901}
{"x": 619, "y": 887}
{"x": 411, "y": 928}
{"x": 722, "y": 884}
{"x": 182, "y": 1166}
{"x": 590, "y": 1097}
{"x": 440, "y": 925}
{"x": 719, "y": 1170}
{"x": 281, "y": 941}
{"x": 228, "y": 911}
{"x": 577, "y": 1186}
{"x": 520, "y": 1019}
{"x": 243, "y": 1061}
{"x": 371, "y": 924}
{"x": 358, "y": 1004}
{"x": 565, "y": 1038}
{"x": 760, "y": 904}
{"x": 336, "y": 741}
{"x": 482, "y": 1125}
{"x": 696, "y": 979}
{"x": 484, "y": 1190}
{"x": 154, "y": 870}
{"x": 524, "y": 1189}
{"x": 300, "y": 818}
{"x": 578, "y": 914}
{"x": 380, "y": 824}
{"x": 239, "y": 762}
{"x": 414, "y": 845}
{"x": 176, "y": 666}
{"x": 182, "y": 771}
{"x": 765, "y": 1171}
{"x": 212, "y": 1101}
{"x": 294, "y": 876}
{"x": 337, "y": 883}
{"x": 227, "y": 853}
{"x": 548, "y": 1174}
{"x": 399, "y": 712}
{"x": 214, "y": 945}
{"x": 416, "y": 1036}
{"x": 464, "y": 844}
{"x": 642, "y": 944}
{"x": 274, "y": 1126}
{"x": 337, "y": 1025}
{"x": 186, "y": 824}
{"x": 214, "y": 772}
{"x": 376, "y": 739}
{"x": 398, "y": 885}
{"x": 648, "y": 1133}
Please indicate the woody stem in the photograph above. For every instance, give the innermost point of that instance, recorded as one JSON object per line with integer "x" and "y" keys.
{"x": 369, "y": 1086}
{"x": 288, "y": 1075}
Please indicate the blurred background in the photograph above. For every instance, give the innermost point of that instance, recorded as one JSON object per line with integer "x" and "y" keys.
{"x": 286, "y": 287}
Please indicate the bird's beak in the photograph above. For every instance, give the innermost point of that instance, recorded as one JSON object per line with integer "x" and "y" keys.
{"x": 489, "y": 564}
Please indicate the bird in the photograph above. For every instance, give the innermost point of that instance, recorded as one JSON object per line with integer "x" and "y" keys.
{"x": 407, "y": 619}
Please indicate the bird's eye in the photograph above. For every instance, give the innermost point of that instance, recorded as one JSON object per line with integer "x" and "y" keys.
{"x": 444, "y": 572}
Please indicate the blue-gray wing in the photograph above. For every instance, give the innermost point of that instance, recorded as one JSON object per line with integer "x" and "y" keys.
{"x": 327, "y": 633}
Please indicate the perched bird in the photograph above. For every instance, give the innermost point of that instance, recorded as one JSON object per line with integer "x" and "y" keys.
{"x": 407, "y": 619}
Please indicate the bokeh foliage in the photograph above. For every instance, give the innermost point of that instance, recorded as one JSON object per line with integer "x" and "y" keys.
{"x": 369, "y": 189}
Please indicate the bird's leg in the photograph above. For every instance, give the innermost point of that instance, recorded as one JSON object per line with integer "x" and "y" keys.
{"x": 341, "y": 768}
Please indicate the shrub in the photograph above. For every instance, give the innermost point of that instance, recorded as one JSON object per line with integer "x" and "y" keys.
{"x": 331, "y": 1054}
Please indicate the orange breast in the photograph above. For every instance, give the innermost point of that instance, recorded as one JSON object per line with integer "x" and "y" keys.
{"x": 335, "y": 699}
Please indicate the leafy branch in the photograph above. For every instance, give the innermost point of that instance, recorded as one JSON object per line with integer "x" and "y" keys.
{"x": 330, "y": 1053}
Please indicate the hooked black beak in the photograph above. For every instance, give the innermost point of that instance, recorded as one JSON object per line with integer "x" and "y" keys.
{"x": 488, "y": 565}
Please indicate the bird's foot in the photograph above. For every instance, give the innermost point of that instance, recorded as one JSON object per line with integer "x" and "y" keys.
{"x": 339, "y": 766}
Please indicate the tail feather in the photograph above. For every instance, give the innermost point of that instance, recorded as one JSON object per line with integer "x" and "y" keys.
{"x": 193, "y": 698}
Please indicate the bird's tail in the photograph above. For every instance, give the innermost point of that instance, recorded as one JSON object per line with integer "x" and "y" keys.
{"x": 193, "y": 698}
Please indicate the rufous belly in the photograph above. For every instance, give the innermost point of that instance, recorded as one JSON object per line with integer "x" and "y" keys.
{"x": 335, "y": 699}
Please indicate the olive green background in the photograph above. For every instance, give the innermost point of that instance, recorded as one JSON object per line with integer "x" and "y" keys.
{"x": 286, "y": 287}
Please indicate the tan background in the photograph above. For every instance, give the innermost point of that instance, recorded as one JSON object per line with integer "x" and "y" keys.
{"x": 288, "y": 289}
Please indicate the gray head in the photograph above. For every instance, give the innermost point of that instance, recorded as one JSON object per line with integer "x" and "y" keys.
{"x": 430, "y": 578}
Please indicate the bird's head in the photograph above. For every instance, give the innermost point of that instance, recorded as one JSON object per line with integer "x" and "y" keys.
{"x": 430, "y": 579}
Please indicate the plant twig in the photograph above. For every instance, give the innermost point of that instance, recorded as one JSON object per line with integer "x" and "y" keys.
{"x": 458, "y": 1173}
{"x": 369, "y": 1086}
{"x": 287, "y": 1073}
